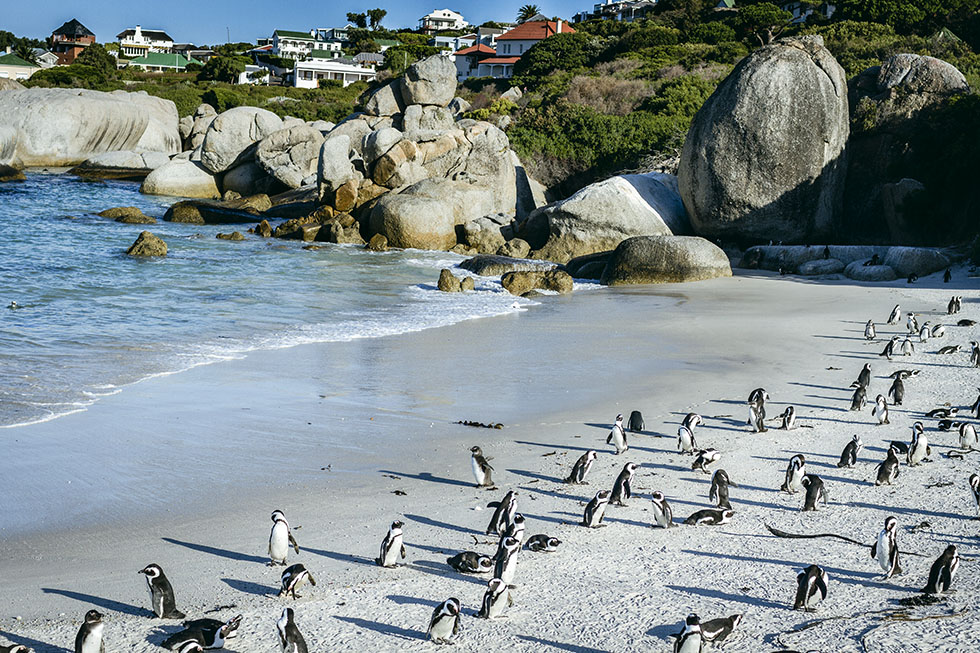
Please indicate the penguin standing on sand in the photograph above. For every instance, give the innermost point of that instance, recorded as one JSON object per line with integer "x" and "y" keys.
{"x": 692, "y": 421}
{"x": 718, "y": 493}
{"x": 976, "y": 406}
{"x": 503, "y": 516}
{"x": 294, "y": 577}
{"x": 975, "y": 486}
{"x": 968, "y": 436}
{"x": 859, "y": 399}
{"x": 795, "y": 472}
{"x": 947, "y": 275}
{"x": 617, "y": 436}
{"x": 815, "y": 491}
{"x": 636, "y": 422}
{"x": 848, "y": 456}
{"x": 663, "y": 515}
{"x": 685, "y": 440}
{"x": 506, "y": 564}
{"x": 881, "y": 410}
{"x": 444, "y": 623}
{"x": 889, "y": 349}
{"x": 757, "y": 410}
{"x": 925, "y": 332}
{"x": 864, "y": 377}
{"x": 908, "y": 347}
{"x": 811, "y": 588}
{"x": 581, "y": 468}
{"x": 869, "y": 330}
{"x": 897, "y": 391}
{"x": 689, "y": 640}
{"x": 716, "y": 631}
{"x": 482, "y": 470}
{"x": 280, "y": 539}
{"x": 789, "y": 419}
{"x": 953, "y": 306}
{"x": 622, "y": 488}
{"x": 290, "y": 639}
{"x": 162, "y": 600}
{"x": 912, "y": 324}
{"x": 496, "y": 599}
{"x": 919, "y": 448}
{"x": 89, "y": 637}
{"x": 974, "y": 353}
{"x": 942, "y": 572}
{"x": 887, "y": 470}
{"x": 896, "y": 315}
{"x": 595, "y": 510}
{"x": 392, "y": 546}
{"x": 885, "y": 549}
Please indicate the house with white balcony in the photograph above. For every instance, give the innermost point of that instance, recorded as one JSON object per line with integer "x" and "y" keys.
{"x": 512, "y": 44}
{"x": 309, "y": 73}
{"x": 138, "y": 42}
{"x": 299, "y": 45}
{"x": 624, "y": 10}
{"x": 442, "y": 20}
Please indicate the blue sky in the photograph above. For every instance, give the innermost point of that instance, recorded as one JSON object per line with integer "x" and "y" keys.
{"x": 205, "y": 21}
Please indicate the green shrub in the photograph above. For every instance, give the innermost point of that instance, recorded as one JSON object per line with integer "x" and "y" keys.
{"x": 223, "y": 99}
{"x": 74, "y": 76}
{"x": 500, "y": 107}
{"x": 224, "y": 68}
{"x": 568, "y": 52}
{"x": 713, "y": 33}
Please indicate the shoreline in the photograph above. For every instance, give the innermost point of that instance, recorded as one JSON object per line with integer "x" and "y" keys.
{"x": 558, "y": 374}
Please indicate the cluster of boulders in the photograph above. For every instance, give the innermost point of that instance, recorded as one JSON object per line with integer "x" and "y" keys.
{"x": 857, "y": 262}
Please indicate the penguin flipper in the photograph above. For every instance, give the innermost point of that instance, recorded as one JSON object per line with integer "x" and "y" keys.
{"x": 609, "y": 438}
{"x": 874, "y": 549}
{"x": 292, "y": 542}
{"x": 403, "y": 551}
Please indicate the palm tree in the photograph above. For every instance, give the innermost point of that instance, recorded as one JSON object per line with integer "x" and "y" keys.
{"x": 526, "y": 12}
{"x": 25, "y": 52}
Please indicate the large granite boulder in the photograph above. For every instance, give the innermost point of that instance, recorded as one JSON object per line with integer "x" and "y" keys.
{"x": 522, "y": 282}
{"x": 181, "y": 178}
{"x": 429, "y": 81}
{"x": 489, "y": 265}
{"x": 8, "y": 149}
{"x": 665, "y": 259}
{"x": 600, "y": 216}
{"x": 203, "y": 116}
{"x": 821, "y": 266}
{"x": 378, "y": 143}
{"x": 147, "y": 244}
{"x": 386, "y": 101}
{"x": 355, "y": 129}
{"x": 764, "y": 157}
{"x": 915, "y": 260}
{"x": 414, "y": 221}
{"x": 290, "y": 155}
{"x": 121, "y": 165}
{"x": 232, "y": 133}
{"x": 250, "y": 178}
{"x": 860, "y": 272}
{"x": 64, "y": 127}
{"x": 334, "y": 167}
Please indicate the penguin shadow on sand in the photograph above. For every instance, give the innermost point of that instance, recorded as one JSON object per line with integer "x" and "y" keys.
{"x": 567, "y": 447}
{"x": 915, "y": 513}
{"x": 632, "y": 441}
{"x": 571, "y": 648}
{"x": 730, "y": 597}
{"x": 33, "y": 644}
{"x": 108, "y": 605}
{"x": 540, "y": 477}
{"x": 666, "y": 632}
{"x": 383, "y": 628}
{"x": 846, "y": 576}
{"x": 215, "y": 551}
{"x": 428, "y": 521}
{"x": 248, "y": 587}
{"x": 341, "y": 557}
{"x": 443, "y": 570}
{"x": 400, "y": 599}
{"x": 547, "y": 493}
{"x": 429, "y": 477}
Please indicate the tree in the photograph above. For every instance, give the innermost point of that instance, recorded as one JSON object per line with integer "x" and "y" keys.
{"x": 527, "y": 12}
{"x": 359, "y": 20}
{"x": 25, "y": 52}
{"x": 765, "y": 21}
{"x": 376, "y": 16}
{"x": 565, "y": 51}
{"x": 97, "y": 57}
{"x": 224, "y": 68}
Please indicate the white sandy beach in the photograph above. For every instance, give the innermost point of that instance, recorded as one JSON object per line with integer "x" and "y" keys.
{"x": 184, "y": 471}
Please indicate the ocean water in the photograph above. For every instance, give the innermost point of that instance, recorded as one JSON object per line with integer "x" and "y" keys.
{"x": 91, "y": 320}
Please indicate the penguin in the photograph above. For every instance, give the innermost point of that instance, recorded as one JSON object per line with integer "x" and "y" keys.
{"x": 947, "y": 275}
{"x": 89, "y": 637}
{"x": 280, "y": 539}
{"x": 938, "y": 331}
{"x": 811, "y": 588}
{"x": 826, "y": 255}
{"x": 705, "y": 458}
{"x": 919, "y": 448}
{"x": 944, "y": 411}
{"x": 757, "y": 410}
{"x": 789, "y": 419}
{"x": 912, "y": 324}
{"x": 924, "y": 332}
{"x": 294, "y": 577}
{"x": 496, "y": 599}
{"x": 889, "y": 349}
{"x": 14, "y": 648}
{"x": 482, "y": 470}
{"x": 716, "y": 631}
{"x": 595, "y": 510}
{"x": 506, "y": 564}
{"x": 444, "y": 624}
{"x": 885, "y": 549}
{"x": 290, "y": 639}
{"x": 976, "y": 406}
{"x": 617, "y": 436}
{"x": 718, "y": 493}
{"x": 900, "y": 448}
{"x": 848, "y": 457}
{"x": 864, "y": 377}
{"x": 162, "y": 600}
{"x": 685, "y": 440}
{"x": 692, "y": 421}
{"x": 689, "y": 640}
{"x": 710, "y": 517}
{"x": 942, "y": 572}
{"x": 663, "y": 516}
{"x": 636, "y": 422}
{"x": 516, "y": 528}
{"x": 874, "y": 260}
{"x": 948, "y": 349}
{"x": 903, "y": 374}
{"x": 541, "y": 543}
{"x": 795, "y": 472}
{"x": 959, "y": 303}
{"x": 896, "y": 315}
{"x": 581, "y": 468}
{"x": 869, "y": 330}
{"x": 951, "y": 306}
{"x": 966, "y": 323}
{"x": 207, "y": 633}
{"x": 888, "y": 470}
{"x": 503, "y": 516}
{"x": 859, "y": 399}
{"x": 908, "y": 347}
{"x": 975, "y": 486}
{"x": 623, "y": 487}
{"x": 897, "y": 391}
{"x": 392, "y": 546}
{"x": 913, "y": 278}
{"x": 947, "y": 424}
{"x": 815, "y": 491}
{"x": 975, "y": 353}
{"x": 471, "y": 562}
{"x": 968, "y": 436}
{"x": 881, "y": 410}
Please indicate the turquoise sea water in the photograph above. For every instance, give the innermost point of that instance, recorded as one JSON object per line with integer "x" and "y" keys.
{"x": 91, "y": 320}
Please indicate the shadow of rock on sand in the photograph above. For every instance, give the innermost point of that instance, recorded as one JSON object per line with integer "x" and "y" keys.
{"x": 105, "y": 604}
{"x": 249, "y": 587}
{"x": 726, "y": 596}
{"x": 572, "y": 648}
{"x": 426, "y": 476}
{"x": 384, "y": 629}
{"x": 33, "y": 644}
{"x": 221, "y": 553}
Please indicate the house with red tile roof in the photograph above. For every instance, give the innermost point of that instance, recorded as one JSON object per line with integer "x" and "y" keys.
{"x": 512, "y": 45}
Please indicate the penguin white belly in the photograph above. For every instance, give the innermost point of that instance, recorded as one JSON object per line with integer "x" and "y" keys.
{"x": 93, "y": 643}
{"x": 796, "y": 479}
{"x": 279, "y": 542}
{"x": 690, "y": 644}
{"x": 391, "y": 555}
{"x": 442, "y": 628}
{"x": 499, "y": 604}
{"x": 509, "y": 570}
{"x": 883, "y": 551}
{"x": 477, "y": 472}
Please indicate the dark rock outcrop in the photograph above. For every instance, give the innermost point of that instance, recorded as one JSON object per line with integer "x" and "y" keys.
{"x": 147, "y": 245}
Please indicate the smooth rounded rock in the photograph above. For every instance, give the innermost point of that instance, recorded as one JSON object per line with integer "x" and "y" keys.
{"x": 665, "y": 259}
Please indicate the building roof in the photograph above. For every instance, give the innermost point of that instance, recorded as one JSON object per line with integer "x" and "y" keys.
{"x": 293, "y": 34}
{"x": 535, "y": 31}
{"x": 500, "y": 60}
{"x": 73, "y": 28}
{"x": 13, "y": 60}
{"x": 369, "y": 56}
{"x": 477, "y": 49}
{"x": 152, "y": 34}
{"x": 161, "y": 59}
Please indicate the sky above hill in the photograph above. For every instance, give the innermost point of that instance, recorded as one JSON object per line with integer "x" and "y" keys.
{"x": 208, "y": 22}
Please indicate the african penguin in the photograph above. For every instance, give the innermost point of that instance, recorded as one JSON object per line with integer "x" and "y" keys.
{"x": 953, "y": 306}
{"x": 864, "y": 377}
{"x": 948, "y": 349}
{"x": 848, "y": 457}
{"x": 689, "y": 640}
{"x": 716, "y": 631}
{"x": 919, "y": 448}
{"x": 541, "y": 543}
{"x": 482, "y": 470}
{"x": 290, "y": 639}
{"x": 880, "y": 410}
{"x": 208, "y": 633}
{"x": 636, "y": 422}
{"x": 887, "y": 470}
{"x": 709, "y": 517}
{"x": 190, "y": 646}
{"x": 943, "y": 412}
{"x": 704, "y": 458}
{"x": 663, "y": 516}
{"x": 503, "y": 516}
{"x": 924, "y": 332}
{"x": 789, "y": 419}
{"x": 968, "y": 436}
{"x": 975, "y": 486}
{"x": 912, "y": 324}
{"x": 896, "y": 315}
{"x": 89, "y": 637}
{"x": 947, "y": 275}
{"x": 444, "y": 624}
{"x": 815, "y": 491}
{"x": 795, "y": 471}
{"x": 293, "y": 578}
{"x": 162, "y": 600}
{"x": 859, "y": 399}
{"x": 471, "y": 562}
{"x": 976, "y": 406}
{"x": 908, "y": 347}
{"x": 516, "y": 528}
{"x": 581, "y": 468}
{"x": 692, "y": 421}
{"x": 811, "y": 588}
{"x": 938, "y": 331}
{"x": 392, "y": 546}
{"x": 496, "y": 599}
{"x": 14, "y": 648}
{"x": 718, "y": 493}
{"x": 685, "y": 440}
{"x": 623, "y": 487}
{"x": 897, "y": 391}
{"x": 885, "y": 549}
{"x": 506, "y": 563}
{"x": 595, "y": 510}
{"x": 975, "y": 353}
{"x": 617, "y": 436}
{"x": 280, "y": 539}
{"x": 757, "y": 410}
{"x": 869, "y": 330}
{"x": 889, "y": 349}
{"x": 942, "y": 571}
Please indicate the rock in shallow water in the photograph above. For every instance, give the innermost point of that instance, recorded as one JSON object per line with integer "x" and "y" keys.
{"x": 147, "y": 245}
{"x": 522, "y": 282}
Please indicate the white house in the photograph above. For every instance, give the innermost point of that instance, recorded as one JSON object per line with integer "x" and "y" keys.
{"x": 44, "y": 58}
{"x": 625, "y": 10}
{"x": 307, "y": 74}
{"x": 452, "y": 43}
{"x": 802, "y": 11}
{"x": 137, "y": 42}
{"x": 442, "y": 19}
{"x": 253, "y": 75}
{"x": 297, "y": 45}
{"x": 512, "y": 45}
